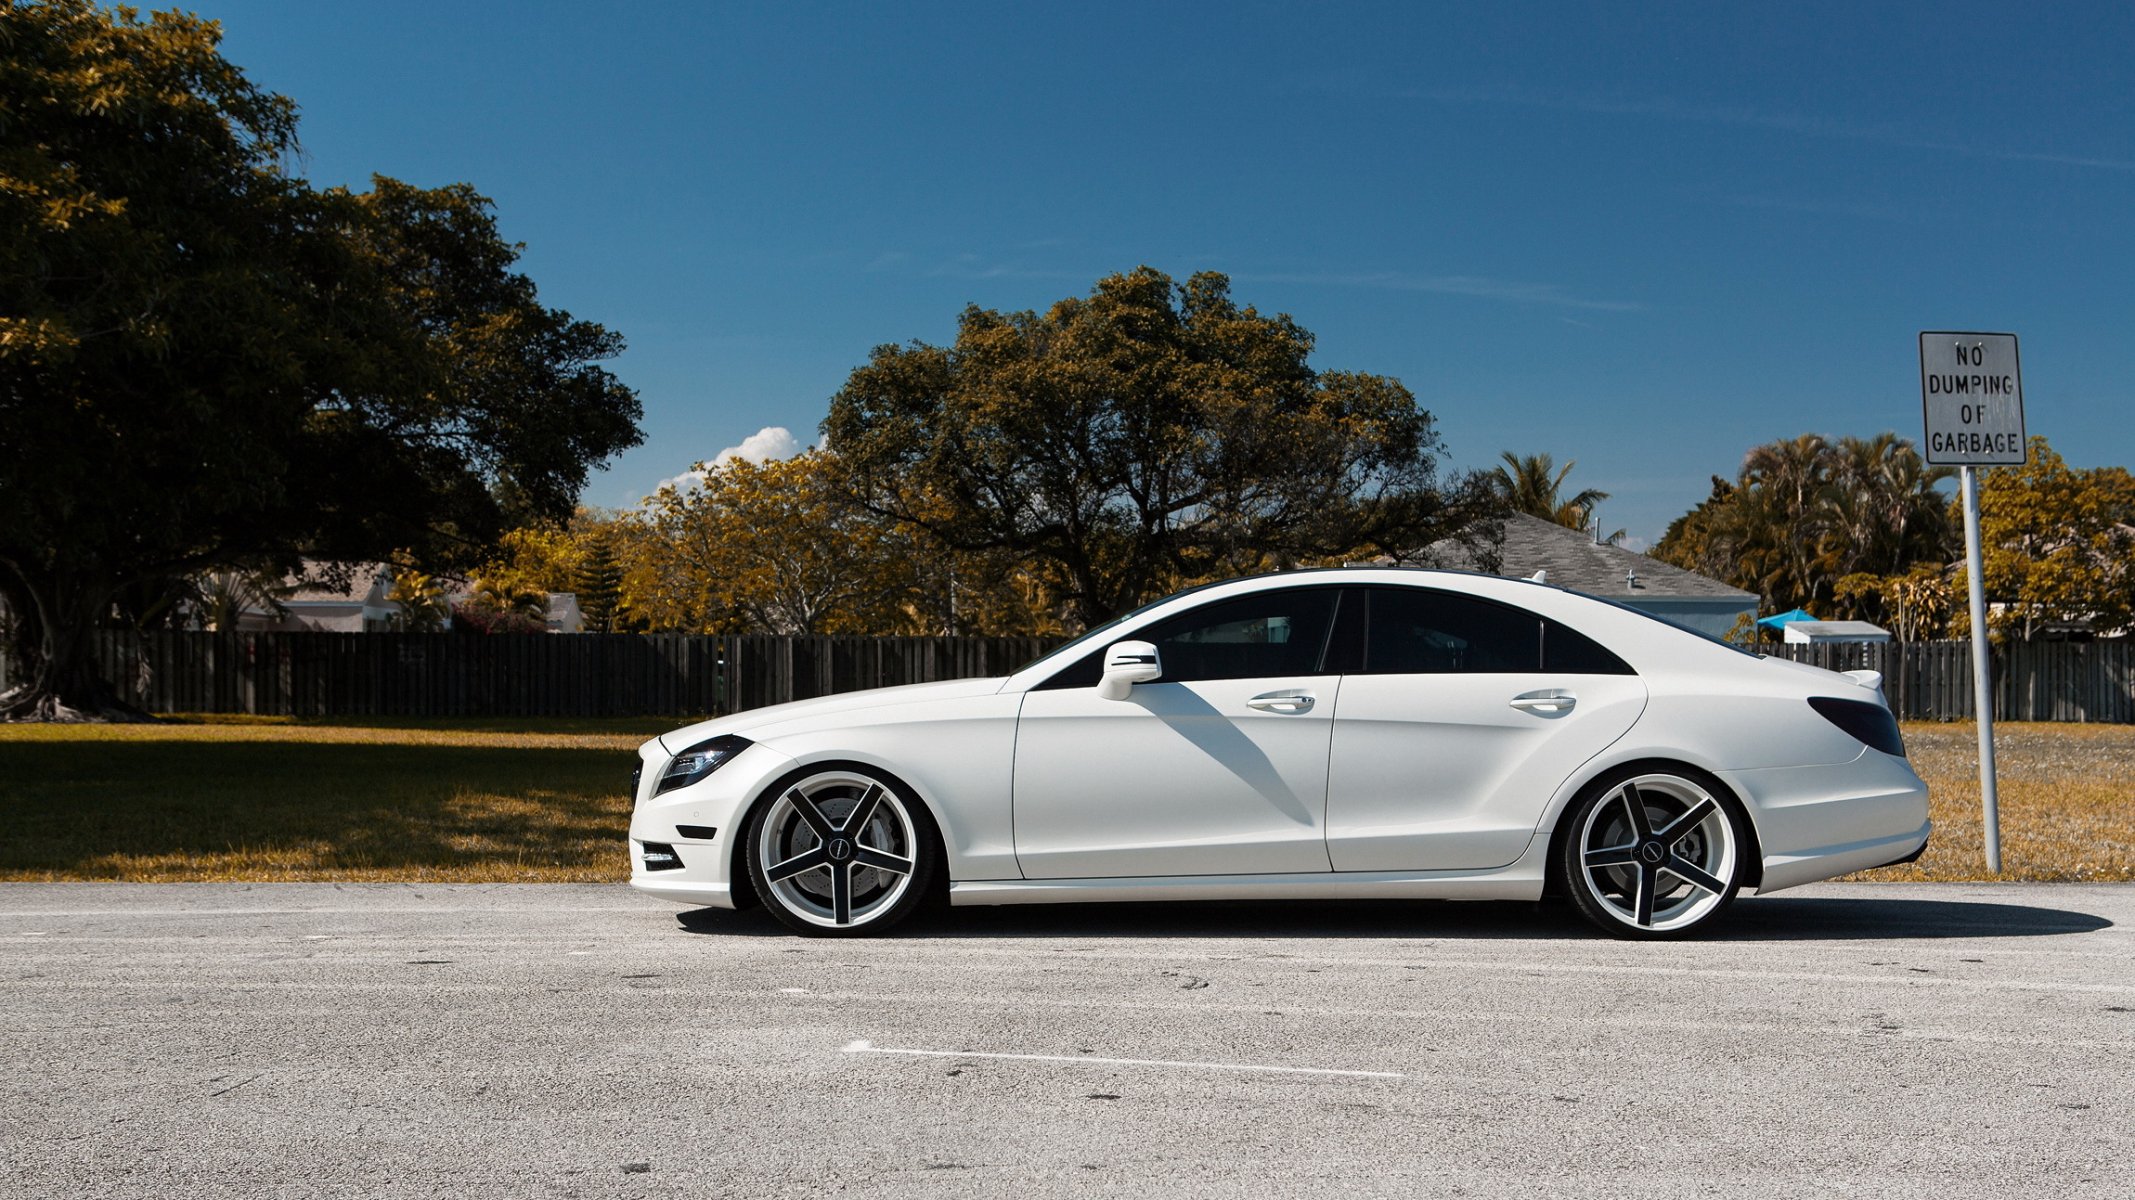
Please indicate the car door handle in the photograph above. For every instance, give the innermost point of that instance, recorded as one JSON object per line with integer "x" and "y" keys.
{"x": 1282, "y": 702}
{"x": 1548, "y": 701}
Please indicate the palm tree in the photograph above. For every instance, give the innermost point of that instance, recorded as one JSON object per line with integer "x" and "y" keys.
{"x": 1783, "y": 520}
{"x": 423, "y": 606}
{"x": 1535, "y": 485}
{"x": 221, "y": 598}
{"x": 507, "y": 598}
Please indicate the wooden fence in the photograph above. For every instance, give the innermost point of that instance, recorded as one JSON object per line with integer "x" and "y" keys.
{"x": 604, "y": 675}
{"x": 2033, "y": 681}
{"x": 532, "y": 675}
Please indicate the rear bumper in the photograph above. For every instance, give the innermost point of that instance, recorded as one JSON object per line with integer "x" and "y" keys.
{"x": 1822, "y": 821}
{"x": 1785, "y": 871}
{"x": 1908, "y": 858}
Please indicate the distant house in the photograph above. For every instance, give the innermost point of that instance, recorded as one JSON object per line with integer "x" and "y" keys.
{"x": 1817, "y": 633}
{"x": 1570, "y": 558}
{"x": 363, "y": 605}
{"x": 564, "y": 614}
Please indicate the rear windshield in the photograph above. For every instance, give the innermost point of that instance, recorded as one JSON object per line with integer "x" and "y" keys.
{"x": 1696, "y": 633}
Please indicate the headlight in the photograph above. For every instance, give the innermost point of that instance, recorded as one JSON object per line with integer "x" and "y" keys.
{"x": 698, "y": 761}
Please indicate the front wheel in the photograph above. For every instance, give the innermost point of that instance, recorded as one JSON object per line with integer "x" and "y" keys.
{"x": 840, "y": 851}
{"x": 1652, "y": 854}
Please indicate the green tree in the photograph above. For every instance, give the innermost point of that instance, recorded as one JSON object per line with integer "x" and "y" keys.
{"x": 599, "y": 585}
{"x": 206, "y": 361}
{"x": 424, "y": 607}
{"x": 1804, "y": 513}
{"x": 1534, "y": 484}
{"x": 220, "y": 598}
{"x": 1917, "y": 605}
{"x": 534, "y": 560}
{"x": 530, "y": 606}
{"x": 776, "y": 547}
{"x": 1881, "y": 509}
{"x": 1148, "y": 434}
{"x": 2059, "y": 545}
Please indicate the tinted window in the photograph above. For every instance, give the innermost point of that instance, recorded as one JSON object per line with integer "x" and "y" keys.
{"x": 1412, "y": 631}
{"x": 1268, "y": 633}
{"x": 1573, "y": 653}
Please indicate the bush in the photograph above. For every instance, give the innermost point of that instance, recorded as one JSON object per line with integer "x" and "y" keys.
{"x": 477, "y": 618}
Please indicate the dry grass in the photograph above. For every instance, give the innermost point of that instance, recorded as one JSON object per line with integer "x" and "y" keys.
{"x": 544, "y": 800}
{"x": 2066, "y": 793}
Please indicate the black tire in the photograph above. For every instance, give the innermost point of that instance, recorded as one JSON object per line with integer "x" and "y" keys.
{"x": 1666, "y": 872}
{"x": 820, "y": 876}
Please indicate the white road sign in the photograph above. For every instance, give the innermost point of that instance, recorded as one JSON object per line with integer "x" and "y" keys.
{"x": 1972, "y": 395}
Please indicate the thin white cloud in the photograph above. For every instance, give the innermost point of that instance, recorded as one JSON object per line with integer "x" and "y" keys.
{"x": 965, "y": 266}
{"x": 1667, "y": 109}
{"x": 772, "y": 441}
{"x": 1480, "y": 287}
{"x": 979, "y": 267}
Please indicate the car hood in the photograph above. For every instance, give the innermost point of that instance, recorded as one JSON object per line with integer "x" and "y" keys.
{"x": 844, "y": 702}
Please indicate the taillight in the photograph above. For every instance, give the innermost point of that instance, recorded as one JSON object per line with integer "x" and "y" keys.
{"x": 1870, "y": 724}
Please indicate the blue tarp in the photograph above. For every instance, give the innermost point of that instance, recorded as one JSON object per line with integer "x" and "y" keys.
{"x": 1784, "y": 619}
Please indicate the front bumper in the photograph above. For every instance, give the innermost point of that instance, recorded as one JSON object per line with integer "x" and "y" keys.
{"x": 699, "y": 825}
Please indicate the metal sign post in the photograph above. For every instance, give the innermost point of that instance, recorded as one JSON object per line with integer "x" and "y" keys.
{"x": 1972, "y": 403}
{"x": 1990, "y": 810}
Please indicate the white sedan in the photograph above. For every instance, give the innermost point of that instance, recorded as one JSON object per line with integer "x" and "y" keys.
{"x": 1376, "y": 732}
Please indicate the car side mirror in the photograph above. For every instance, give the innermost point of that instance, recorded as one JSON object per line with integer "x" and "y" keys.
{"x": 1126, "y": 664}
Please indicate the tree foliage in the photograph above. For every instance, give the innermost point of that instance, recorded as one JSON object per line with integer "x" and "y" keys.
{"x": 1804, "y": 513}
{"x": 2058, "y": 544}
{"x": 206, "y": 361}
{"x": 599, "y": 584}
{"x": 1148, "y": 434}
{"x": 1917, "y": 605}
{"x": 775, "y": 547}
{"x": 1534, "y": 484}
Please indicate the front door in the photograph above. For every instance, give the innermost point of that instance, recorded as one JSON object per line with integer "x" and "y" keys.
{"x": 1217, "y": 768}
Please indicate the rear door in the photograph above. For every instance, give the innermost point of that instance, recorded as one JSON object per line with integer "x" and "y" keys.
{"x": 1465, "y": 717}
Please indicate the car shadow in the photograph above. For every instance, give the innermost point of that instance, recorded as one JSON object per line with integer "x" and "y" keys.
{"x": 1752, "y": 919}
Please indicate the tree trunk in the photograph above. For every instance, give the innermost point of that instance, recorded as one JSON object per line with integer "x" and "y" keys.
{"x": 53, "y": 628}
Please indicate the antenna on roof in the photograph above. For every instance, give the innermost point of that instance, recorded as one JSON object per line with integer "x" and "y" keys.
{"x": 1541, "y": 576}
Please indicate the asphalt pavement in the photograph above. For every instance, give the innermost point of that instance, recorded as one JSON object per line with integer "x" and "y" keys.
{"x": 1925, "y": 1041}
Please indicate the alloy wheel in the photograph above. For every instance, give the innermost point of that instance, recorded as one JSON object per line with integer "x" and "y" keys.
{"x": 837, "y": 850}
{"x": 1655, "y": 854}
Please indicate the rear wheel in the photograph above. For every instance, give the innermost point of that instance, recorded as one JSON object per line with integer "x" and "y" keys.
{"x": 840, "y": 851}
{"x": 1652, "y": 854}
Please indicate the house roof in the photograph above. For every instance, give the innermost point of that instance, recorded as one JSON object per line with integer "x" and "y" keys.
{"x": 313, "y": 584}
{"x": 1573, "y": 559}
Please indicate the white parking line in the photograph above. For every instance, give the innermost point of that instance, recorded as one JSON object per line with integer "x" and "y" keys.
{"x": 864, "y": 1047}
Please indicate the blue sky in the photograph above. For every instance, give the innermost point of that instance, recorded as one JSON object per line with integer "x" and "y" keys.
{"x": 1644, "y": 237}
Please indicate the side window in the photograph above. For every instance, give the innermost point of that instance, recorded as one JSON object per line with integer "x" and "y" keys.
{"x": 1573, "y": 653}
{"x": 1415, "y": 631}
{"x": 1269, "y": 633}
{"x": 1265, "y": 634}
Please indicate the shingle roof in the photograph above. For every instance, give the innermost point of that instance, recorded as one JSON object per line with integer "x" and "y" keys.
{"x": 1575, "y": 560}
{"x": 314, "y": 582}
